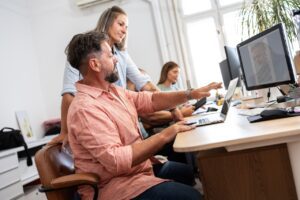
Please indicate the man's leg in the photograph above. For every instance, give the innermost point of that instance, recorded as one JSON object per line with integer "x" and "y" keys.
{"x": 178, "y": 172}
{"x": 170, "y": 191}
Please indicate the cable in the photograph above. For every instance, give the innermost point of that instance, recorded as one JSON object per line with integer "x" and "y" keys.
{"x": 269, "y": 94}
{"x": 281, "y": 91}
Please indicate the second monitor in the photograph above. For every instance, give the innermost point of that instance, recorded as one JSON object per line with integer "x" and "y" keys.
{"x": 230, "y": 67}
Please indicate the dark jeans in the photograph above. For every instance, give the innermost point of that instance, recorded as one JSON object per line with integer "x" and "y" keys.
{"x": 188, "y": 158}
{"x": 181, "y": 189}
{"x": 170, "y": 191}
{"x": 168, "y": 151}
{"x": 176, "y": 171}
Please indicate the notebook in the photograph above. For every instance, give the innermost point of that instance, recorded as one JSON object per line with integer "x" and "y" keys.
{"x": 220, "y": 116}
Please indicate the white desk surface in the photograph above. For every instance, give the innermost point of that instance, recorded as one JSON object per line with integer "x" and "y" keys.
{"x": 237, "y": 133}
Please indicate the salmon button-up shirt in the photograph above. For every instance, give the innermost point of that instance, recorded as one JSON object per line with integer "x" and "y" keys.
{"x": 101, "y": 128}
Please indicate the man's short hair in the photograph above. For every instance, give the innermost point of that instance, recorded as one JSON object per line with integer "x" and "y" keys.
{"x": 82, "y": 45}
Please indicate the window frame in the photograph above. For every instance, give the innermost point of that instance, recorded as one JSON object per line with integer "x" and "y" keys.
{"x": 216, "y": 13}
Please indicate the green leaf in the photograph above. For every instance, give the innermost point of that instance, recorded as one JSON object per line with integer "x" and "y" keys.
{"x": 259, "y": 15}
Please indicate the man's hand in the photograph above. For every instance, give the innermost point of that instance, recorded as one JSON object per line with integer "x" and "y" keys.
{"x": 213, "y": 85}
{"x": 171, "y": 132}
{"x": 204, "y": 91}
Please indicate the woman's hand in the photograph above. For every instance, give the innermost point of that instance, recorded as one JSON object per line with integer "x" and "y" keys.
{"x": 61, "y": 138}
{"x": 177, "y": 115}
{"x": 187, "y": 110}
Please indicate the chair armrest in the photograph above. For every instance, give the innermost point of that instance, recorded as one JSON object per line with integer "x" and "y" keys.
{"x": 75, "y": 180}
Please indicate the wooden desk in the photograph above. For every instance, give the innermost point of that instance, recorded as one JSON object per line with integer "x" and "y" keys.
{"x": 237, "y": 134}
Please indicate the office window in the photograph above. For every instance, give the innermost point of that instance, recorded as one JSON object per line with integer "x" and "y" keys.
{"x": 204, "y": 50}
{"x": 229, "y": 2}
{"x": 207, "y": 27}
{"x": 194, "y": 6}
{"x": 231, "y": 28}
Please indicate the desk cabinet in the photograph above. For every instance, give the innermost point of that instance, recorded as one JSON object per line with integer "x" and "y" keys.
{"x": 14, "y": 172}
{"x": 253, "y": 174}
{"x": 10, "y": 184}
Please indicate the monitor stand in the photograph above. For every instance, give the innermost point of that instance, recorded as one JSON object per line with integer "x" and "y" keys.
{"x": 260, "y": 99}
{"x": 295, "y": 93}
{"x": 288, "y": 104}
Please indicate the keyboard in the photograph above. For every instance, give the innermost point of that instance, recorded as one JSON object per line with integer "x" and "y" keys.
{"x": 203, "y": 121}
{"x": 250, "y": 112}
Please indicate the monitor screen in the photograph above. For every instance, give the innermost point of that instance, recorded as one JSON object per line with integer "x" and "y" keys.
{"x": 225, "y": 71}
{"x": 233, "y": 61}
{"x": 265, "y": 59}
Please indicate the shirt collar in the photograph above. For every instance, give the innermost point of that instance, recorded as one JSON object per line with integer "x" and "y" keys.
{"x": 92, "y": 91}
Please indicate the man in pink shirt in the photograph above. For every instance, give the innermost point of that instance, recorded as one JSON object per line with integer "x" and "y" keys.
{"x": 103, "y": 127}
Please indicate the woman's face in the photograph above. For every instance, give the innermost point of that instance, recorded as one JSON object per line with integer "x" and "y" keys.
{"x": 118, "y": 30}
{"x": 172, "y": 75}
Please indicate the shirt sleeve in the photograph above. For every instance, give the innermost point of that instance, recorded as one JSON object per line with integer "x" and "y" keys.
{"x": 141, "y": 100}
{"x": 71, "y": 76}
{"x": 134, "y": 74}
{"x": 98, "y": 134}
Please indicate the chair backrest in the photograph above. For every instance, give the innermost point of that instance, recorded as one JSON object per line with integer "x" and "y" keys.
{"x": 52, "y": 162}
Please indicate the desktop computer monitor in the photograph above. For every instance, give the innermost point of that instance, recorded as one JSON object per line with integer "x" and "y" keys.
{"x": 265, "y": 59}
{"x": 233, "y": 62}
{"x": 225, "y": 71}
{"x": 230, "y": 67}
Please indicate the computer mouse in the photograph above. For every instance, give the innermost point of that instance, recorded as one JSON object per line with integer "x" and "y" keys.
{"x": 273, "y": 113}
{"x": 236, "y": 102}
{"x": 211, "y": 109}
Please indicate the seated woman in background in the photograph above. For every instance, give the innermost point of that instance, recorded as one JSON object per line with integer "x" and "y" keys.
{"x": 168, "y": 78}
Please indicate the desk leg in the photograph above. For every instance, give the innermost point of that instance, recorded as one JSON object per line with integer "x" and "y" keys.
{"x": 294, "y": 153}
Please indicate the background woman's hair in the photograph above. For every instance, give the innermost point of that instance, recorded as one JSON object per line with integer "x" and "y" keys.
{"x": 165, "y": 70}
{"x": 106, "y": 20}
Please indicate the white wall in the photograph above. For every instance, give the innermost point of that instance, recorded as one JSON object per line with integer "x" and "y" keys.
{"x": 34, "y": 34}
{"x": 20, "y": 84}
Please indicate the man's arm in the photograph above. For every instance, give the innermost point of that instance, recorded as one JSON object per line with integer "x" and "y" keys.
{"x": 157, "y": 118}
{"x": 144, "y": 150}
{"x": 166, "y": 100}
{"x": 162, "y": 100}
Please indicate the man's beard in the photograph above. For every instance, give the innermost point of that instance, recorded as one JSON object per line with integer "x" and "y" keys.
{"x": 113, "y": 76}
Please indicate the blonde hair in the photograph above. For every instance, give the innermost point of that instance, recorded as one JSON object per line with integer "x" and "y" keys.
{"x": 106, "y": 20}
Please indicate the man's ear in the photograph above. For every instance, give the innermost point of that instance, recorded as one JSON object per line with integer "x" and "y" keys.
{"x": 95, "y": 64}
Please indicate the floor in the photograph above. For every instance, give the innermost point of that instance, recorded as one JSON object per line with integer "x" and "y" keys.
{"x": 198, "y": 186}
{"x": 32, "y": 193}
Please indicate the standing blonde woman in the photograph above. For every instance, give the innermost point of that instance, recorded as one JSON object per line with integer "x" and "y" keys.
{"x": 114, "y": 22}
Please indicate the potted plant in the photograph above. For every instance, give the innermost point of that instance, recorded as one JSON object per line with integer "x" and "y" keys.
{"x": 258, "y": 15}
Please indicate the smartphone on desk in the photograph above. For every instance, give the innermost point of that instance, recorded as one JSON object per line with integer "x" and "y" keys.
{"x": 200, "y": 103}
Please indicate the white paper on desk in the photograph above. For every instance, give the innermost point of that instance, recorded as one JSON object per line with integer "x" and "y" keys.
{"x": 199, "y": 110}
